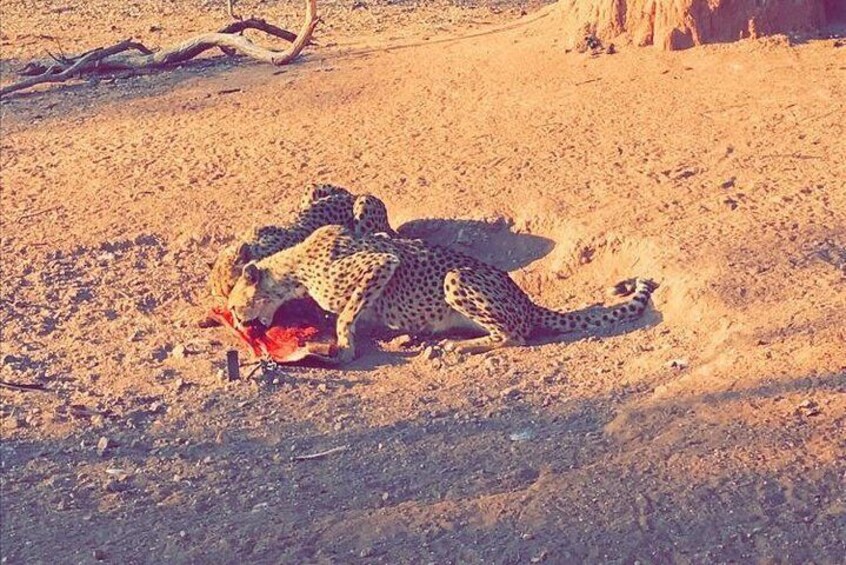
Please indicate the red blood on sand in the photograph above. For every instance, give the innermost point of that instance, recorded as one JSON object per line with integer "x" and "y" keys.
{"x": 281, "y": 341}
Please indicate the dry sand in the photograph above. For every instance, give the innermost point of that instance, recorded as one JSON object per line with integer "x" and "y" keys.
{"x": 711, "y": 431}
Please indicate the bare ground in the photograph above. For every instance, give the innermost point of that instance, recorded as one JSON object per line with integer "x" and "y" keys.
{"x": 711, "y": 431}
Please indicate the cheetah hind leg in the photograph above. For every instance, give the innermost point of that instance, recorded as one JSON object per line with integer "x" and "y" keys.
{"x": 376, "y": 271}
{"x": 491, "y": 301}
{"x": 370, "y": 217}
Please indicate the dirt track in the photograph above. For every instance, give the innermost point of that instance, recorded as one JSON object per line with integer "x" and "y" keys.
{"x": 711, "y": 431}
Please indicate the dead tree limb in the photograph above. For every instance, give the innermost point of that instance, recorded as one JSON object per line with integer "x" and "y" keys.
{"x": 87, "y": 61}
{"x": 132, "y": 56}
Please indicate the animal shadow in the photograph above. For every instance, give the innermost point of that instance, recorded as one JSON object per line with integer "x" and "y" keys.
{"x": 491, "y": 242}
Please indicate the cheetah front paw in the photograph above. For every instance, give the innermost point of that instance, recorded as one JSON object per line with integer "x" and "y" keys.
{"x": 343, "y": 356}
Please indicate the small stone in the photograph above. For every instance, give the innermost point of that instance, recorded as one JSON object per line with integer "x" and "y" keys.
{"x": 428, "y": 353}
{"x": 510, "y": 392}
{"x": 386, "y": 495}
{"x": 322, "y": 388}
{"x": 678, "y": 364}
{"x": 728, "y": 183}
{"x": 106, "y": 257}
{"x": 103, "y": 445}
{"x": 540, "y": 557}
{"x": 522, "y": 435}
{"x": 99, "y": 554}
{"x": 807, "y": 408}
{"x": 178, "y": 352}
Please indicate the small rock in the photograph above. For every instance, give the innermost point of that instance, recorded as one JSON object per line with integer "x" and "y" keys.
{"x": 322, "y": 388}
{"x": 539, "y": 557}
{"x": 428, "y": 353}
{"x": 522, "y": 435}
{"x": 106, "y": 257}
{"x": 386, "y": 495}
{"x": 99, "y": 554}
{"x": 510, "y": 392}
{"x": 178, "y": 352}
{"x": 807, "y": 408}
{"x": 678, "y": 364}
{"x": 728, "y": 183}
{"x": 104, "y": 445}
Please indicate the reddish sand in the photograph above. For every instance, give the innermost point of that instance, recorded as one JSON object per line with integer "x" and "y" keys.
{"x": 711, "y": 431}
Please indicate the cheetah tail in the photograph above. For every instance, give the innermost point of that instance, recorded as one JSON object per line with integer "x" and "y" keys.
{"x": 550, "y": 321}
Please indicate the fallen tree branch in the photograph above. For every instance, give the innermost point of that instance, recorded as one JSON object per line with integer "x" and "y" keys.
{"x": 132, "y": 56}
{"x": 55, "y": 74}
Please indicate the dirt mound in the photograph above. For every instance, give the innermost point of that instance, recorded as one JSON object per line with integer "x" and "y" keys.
{"x": 679, "y": 24}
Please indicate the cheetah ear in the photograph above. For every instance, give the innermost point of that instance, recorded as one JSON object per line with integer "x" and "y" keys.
{"x": 244, "y": 253}
{"x": 252, "y": 273}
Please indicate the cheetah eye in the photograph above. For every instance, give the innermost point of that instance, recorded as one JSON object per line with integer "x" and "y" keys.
{"x": 252, "y": 273}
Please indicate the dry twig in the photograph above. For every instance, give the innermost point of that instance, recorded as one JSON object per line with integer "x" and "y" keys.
{"x": 319, "y": 454}
{"x": 24, "y": 387}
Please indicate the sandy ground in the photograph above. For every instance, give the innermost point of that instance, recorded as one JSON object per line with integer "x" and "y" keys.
{"x": 711, "y": 431}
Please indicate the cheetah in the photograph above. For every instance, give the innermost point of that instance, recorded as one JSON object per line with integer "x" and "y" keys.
{"x": 409, "y": 286}
{"x": 321, "y": 205}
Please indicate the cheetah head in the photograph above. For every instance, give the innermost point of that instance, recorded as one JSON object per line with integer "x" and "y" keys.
{"x": 227, "y": 268}
{"x": 257, "y": 295}
{"x": 252, "y": 245}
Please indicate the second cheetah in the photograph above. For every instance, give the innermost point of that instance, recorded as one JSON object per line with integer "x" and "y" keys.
{"x": 321, "y": 205}
{"x": 410, "y": 286}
